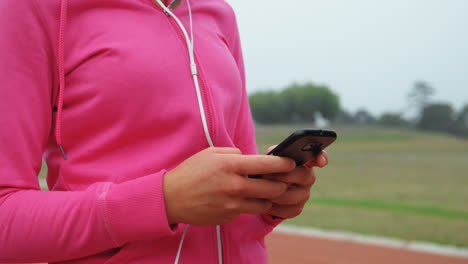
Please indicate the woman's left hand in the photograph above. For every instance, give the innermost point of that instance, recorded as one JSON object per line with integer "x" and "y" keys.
{"x": 291, "y": 203}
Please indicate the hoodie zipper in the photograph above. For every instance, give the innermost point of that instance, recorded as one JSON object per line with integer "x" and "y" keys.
{"x": 202, "y": 83}
{"x": 209, "y": 118}
{"x": 223, "y": 245}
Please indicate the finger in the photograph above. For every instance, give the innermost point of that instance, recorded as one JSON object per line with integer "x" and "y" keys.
{"x": 301, "y": 176}
{"x": 225, "y": 150}
{"x": 294, "y": 195}
{"x": 321, "y": 160}
{"x": 271, "y": 176}
{"x": 271, "y": 148}
{"x": 255, "y": 206}
{"x": 261, "y": 164}
{"x": 286, "y": 211}
{"x": 263, "y": 189}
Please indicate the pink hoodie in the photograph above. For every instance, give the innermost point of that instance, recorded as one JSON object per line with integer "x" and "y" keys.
{"x": 125, "y": 113}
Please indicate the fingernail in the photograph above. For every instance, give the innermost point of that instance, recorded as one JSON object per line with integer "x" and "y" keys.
{"x": 324, "y": 160}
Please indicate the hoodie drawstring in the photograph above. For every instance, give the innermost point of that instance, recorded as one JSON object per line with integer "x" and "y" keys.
{"x": 61, "y": 68}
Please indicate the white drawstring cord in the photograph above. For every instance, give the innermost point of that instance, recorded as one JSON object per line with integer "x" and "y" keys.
{"x": 193, "y": 68}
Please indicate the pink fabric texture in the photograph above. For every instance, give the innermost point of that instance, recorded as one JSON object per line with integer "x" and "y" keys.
{"x": 122, "y": 103}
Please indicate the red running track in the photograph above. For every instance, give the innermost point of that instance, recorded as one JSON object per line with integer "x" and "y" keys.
{"x": 285, "y": 248}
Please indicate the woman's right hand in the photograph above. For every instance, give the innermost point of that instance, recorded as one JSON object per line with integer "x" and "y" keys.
{"x": 212, "y": 187}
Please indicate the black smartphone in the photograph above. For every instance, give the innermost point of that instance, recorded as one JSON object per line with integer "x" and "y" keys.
{"x": 303, "y": 145}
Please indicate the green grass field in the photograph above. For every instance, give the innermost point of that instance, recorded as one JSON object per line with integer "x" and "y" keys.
{"x": 387, "y": 182}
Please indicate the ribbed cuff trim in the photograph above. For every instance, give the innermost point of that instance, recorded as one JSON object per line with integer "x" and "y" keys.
{"x": 135, "y": 210}
{"x": 270, "y": 223}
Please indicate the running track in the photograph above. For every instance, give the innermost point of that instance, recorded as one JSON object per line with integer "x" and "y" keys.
{"x": 298, "y": 249}
{"x": 286, "y": 248}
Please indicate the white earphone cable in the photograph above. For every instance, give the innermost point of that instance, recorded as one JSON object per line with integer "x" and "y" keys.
{"x": 220, "y": 246}
{"x": 181, "y": 243}
{"x": 191, "y": 24}
{"x": 193, "y": 68}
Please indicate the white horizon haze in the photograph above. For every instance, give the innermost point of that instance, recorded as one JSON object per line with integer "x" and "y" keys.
{"x": 368, "y": 52}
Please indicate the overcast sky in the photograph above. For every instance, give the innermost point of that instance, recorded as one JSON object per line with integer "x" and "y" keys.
{"x": 369, "y": 52}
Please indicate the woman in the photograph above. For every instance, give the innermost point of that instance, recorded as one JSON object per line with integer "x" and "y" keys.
{"x": 124, "y": 113}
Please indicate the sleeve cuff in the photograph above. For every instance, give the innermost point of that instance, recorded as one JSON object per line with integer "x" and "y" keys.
{"x": 270, "y": 222}
{"x": 135, "y": 210}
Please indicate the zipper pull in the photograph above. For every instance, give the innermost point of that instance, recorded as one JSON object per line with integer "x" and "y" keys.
{"x": 194, "y": 69}
{"x": 173, "y": 6}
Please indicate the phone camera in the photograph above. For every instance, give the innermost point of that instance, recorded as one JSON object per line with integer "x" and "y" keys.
{"x": 312, "y": 146}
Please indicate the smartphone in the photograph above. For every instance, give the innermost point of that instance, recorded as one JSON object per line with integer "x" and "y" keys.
{"x": 303, "y": 145}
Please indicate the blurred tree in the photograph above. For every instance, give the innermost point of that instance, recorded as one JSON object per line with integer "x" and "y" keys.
{"x": 296, "y": 103}
{"x": 302, "y": 101}
{"x": 267, "y": 107}
{"x": 363, "y": 117}
{"x": 419, "y": 96}
{"x": 344, "y": 117}
{"x": 461, "y": 122}
{"x": 392, "y": 120}
{"x": 437, "y": 117}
